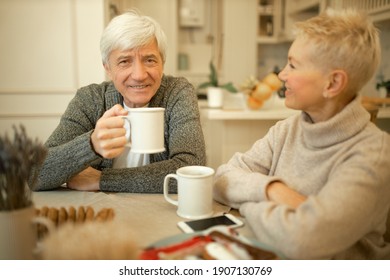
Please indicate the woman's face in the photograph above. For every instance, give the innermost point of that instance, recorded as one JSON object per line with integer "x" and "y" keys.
{"x": 136, "y": 73}
{"x": 305, "y": 81}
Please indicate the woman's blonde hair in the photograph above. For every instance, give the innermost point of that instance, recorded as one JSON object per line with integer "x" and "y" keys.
{"x": 346, "y": 40}
{"x": 131, "y": 30}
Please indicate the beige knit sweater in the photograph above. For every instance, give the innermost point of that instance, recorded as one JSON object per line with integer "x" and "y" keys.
{"x": 342, "y": 165}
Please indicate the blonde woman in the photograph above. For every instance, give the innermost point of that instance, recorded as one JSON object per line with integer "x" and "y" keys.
{"x": 317, "y": 186}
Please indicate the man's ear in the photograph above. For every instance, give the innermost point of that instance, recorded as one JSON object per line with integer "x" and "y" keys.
{"x": 338, "y": 80}
{"x": 107, "y": 69}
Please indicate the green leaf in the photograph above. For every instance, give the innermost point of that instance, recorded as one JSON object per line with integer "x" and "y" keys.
{"x": 213, "y": 75}
{"x": 213, "y": 81}
{"x": 385, "y": 84}
{"x": 229, "y": 87}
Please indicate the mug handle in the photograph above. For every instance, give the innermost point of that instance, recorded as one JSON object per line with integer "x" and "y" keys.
{"x": 166, "y": 189}
{"x": 129, "y": 122}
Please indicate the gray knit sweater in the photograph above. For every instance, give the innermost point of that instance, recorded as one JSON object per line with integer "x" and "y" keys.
{"x": 70, "y": 150}
{"x": 341, "y": 165}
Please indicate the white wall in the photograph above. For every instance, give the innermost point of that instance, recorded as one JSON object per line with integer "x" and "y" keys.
{"x": 240, "y": 33}
{"x": 49, "y": 49}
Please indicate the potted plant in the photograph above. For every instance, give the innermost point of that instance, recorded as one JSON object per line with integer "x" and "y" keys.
{"x": 215, "y": 89}
{"x": 19, "y": 162}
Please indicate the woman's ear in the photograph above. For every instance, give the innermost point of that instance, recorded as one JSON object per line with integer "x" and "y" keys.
{"x": 338, "y": 80}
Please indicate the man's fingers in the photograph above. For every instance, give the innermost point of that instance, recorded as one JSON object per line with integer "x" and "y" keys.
{"x": 116, "y": 110}
{"x": 113, "y": 143}
{"x": 110, "y": 123}
{"x": 106, "y": 145}
{"x": 109, "y": 137}
{"x": 110, "y": 133}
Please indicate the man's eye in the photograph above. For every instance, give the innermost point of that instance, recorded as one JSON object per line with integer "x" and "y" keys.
{"x": 291, "y": 66}
{"x": 150, "y": 61}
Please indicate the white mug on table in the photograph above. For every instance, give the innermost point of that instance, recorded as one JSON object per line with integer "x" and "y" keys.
{"x": 195, "y": 191}
{"x": 145, "y": 129}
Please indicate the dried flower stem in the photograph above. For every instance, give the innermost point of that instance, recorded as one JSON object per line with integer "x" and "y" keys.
{"x": 19, "y": 160}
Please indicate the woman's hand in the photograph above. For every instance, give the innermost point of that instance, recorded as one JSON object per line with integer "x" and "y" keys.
{"x": 280, "y": 193}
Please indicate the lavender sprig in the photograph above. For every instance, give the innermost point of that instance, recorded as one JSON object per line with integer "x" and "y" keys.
{"x": 19, "y": 162}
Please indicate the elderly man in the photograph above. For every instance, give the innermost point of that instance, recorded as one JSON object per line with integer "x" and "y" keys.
{"x": 87, "y": 150}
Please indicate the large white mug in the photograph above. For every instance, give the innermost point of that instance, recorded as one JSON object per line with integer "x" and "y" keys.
{"x": 145, "y": 130}
{"x": 194, "y": 191}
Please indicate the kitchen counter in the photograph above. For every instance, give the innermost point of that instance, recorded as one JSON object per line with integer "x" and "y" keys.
{"x": 277, "y": 112}
{"x": 270, "y": 114}
{"x": 235, "y": 109}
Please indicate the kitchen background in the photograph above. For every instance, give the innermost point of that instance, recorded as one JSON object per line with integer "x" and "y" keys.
{"x": 50, "y": 48}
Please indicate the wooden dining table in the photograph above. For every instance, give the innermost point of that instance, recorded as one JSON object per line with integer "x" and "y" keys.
{"x": 152, "y": 218}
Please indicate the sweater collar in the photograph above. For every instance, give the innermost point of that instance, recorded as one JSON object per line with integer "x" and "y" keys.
{"x": 113, "y": 97}
{"x": 348, "y": 122}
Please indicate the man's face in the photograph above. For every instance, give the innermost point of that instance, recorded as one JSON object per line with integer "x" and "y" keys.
{"x": 136, "y": 73}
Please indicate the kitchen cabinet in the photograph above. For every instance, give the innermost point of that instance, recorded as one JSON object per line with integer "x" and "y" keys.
{"x": 199, "y": 38}
{"x": 270, "y": 21}
{"x": 272, "y": 44}
{"x": 300, "y": 10}
{"x": 228, "y": 37}
{"x": 378, "y": 10}
{"x": 276, "y": 18}
{"x": 299, "y": 6}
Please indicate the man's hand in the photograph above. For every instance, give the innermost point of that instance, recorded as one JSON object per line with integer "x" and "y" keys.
{"x": 108, "y": 139}
{"x": 86, "y": 180}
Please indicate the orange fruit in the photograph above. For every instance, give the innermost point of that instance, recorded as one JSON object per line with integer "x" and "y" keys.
{"x": 273, "y": 81}
{"x": 262, "y": 91}
{"x": 254, "y": 104}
